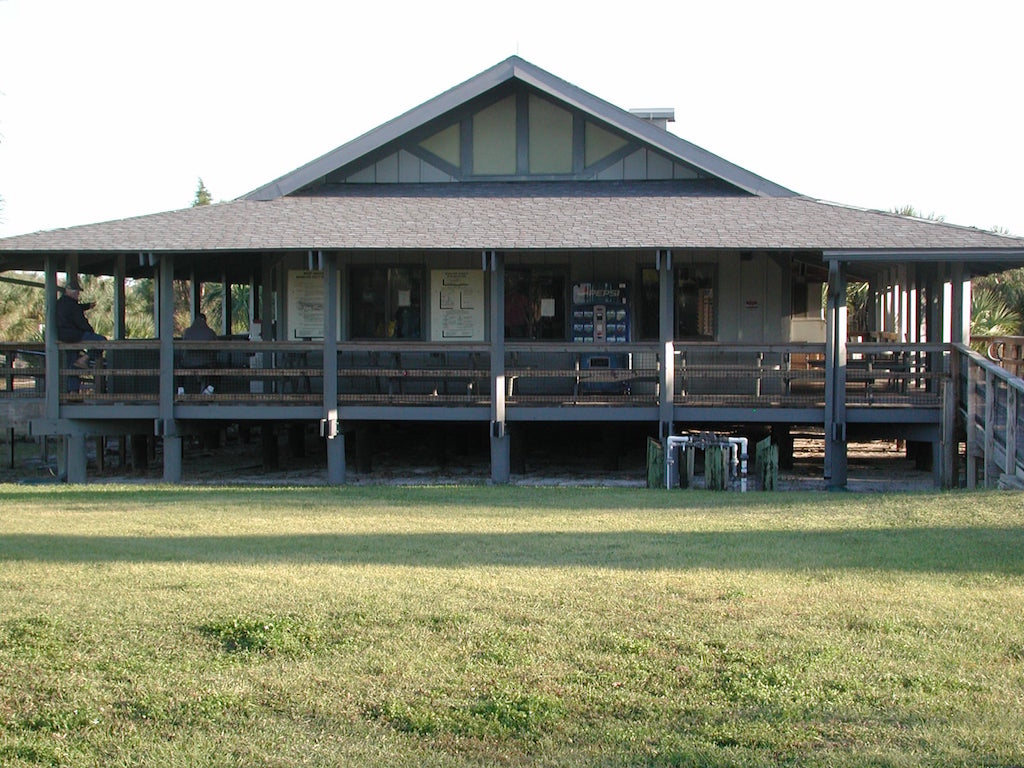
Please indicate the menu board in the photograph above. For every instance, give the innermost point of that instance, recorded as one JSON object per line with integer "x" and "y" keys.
{"x": 457, "y": 305}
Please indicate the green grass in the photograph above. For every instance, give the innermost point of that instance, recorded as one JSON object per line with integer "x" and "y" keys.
{"x": 509, "y": 626}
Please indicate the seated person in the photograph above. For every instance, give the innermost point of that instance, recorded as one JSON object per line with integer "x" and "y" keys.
{"x": 74, "y": 327}
{"x": 195, "y": 358}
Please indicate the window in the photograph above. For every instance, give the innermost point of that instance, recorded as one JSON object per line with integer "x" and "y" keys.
{"x": 648, "y": 304}
{"x": 695, "y": 302}
{"x": 534, "y": 304}
{"x": 386, "y": 302}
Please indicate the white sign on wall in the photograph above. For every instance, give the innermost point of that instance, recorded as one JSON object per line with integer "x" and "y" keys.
{"x": 305, "y": 304}
{"x": 456, "y": 305}
{"x": 305, "y": 309}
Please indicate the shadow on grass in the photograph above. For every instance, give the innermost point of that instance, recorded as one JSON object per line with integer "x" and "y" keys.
{"x": 922, "y": 549}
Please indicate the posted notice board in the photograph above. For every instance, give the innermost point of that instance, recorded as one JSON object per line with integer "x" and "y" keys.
{"x": 305, "y": 309}
{"x": 457, "y": 305}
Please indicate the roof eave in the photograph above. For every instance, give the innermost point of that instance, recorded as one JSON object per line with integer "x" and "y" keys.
{"x": 980, "y": 255}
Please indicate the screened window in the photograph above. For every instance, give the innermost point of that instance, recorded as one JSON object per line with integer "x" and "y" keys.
{"x": 386, "y": 303}
{"x": 534, "y": 304}
{"x": 695, "y": 301}
{"x": 648, "y": 321}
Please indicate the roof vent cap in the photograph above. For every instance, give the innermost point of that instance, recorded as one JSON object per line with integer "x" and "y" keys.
{"x": 660, "y": 117}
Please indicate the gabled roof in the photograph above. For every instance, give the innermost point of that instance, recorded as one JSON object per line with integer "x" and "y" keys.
{"x": 508, "y": 71}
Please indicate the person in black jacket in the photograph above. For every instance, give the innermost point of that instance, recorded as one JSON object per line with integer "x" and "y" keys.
{"x": 73, "y": 326}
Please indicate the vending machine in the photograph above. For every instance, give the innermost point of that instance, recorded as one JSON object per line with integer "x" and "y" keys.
{"x": 600, "y": 313}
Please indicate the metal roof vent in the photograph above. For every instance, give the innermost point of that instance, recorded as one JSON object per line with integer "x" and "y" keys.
{"x": 660, "y": 117}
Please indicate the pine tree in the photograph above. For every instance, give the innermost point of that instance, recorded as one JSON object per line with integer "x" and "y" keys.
{"x": 203, "y": 196}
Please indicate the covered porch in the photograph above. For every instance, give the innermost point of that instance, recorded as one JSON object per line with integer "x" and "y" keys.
{"x": 892, "y": 386}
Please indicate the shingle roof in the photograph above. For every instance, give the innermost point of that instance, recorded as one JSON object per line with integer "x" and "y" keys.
{"x": 514, "y": 216}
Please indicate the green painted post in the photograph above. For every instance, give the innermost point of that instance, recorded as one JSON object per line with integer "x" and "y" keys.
{"x": 716, "y": 467}
{"x": 766, "y": 464}
{"x": 655, "y": 464}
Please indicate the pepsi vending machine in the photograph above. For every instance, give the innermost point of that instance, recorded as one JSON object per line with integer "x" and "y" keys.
{"x": 600, "y": 315}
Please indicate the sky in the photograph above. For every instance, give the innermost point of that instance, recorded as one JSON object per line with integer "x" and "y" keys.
{"x": 116, "y": 108}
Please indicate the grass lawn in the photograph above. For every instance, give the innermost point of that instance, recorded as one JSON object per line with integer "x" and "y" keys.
{"x": 509, "y": 626}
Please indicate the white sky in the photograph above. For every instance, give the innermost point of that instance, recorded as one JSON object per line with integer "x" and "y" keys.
{"x": 115, "y": 108}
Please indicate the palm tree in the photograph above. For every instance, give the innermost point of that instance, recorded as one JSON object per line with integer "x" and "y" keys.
{"x": 22, "y": 308}
{"x": 991, "y": 315}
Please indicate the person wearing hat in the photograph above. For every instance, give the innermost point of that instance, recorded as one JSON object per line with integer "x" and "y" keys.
{"x": 72, "y": 324}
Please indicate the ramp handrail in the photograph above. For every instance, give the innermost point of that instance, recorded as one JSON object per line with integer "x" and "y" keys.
{"x": 990, "y": 401}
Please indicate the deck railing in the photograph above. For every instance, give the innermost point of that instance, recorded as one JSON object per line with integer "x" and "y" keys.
{"x": 535, "y": 374}
{"x": 582, "y": 374}
{"x": 1005, "y": 351}
{"x": 22, "y": 370}
{"x": 990, "y": 404}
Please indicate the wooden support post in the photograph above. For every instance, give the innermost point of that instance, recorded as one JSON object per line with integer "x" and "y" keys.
{"x": 782, "y": 437}
{"x": 685, "y": 462}
{"x": 52, "y": 359}
{"x": 167, "y": 428}
{"x": 1010, "y": 464}
{"x": 948, "y": 443}
{"x": 297, "y": 441}
{"x": 120, "y": 299}
{"x": 836, "y": 466}
{"x": 364, "y": 448}
{"x": 766, "y": 464}
{"x": 330, "y": 428}
{"x": 271, "y": 452}
{"x": 716, "y": 468}
{"x": 140, "y": 453}
{"x": 75, "y": 458}
{"x": 971, "y": 430}
{"x": 666, "y": 337}
{"x": 655, "y": 463}
{"x": 518, "y": 448}
{"x": 172, "y": 458}
{"x": 991, "y": 470}
{"x": 501, "y": 449}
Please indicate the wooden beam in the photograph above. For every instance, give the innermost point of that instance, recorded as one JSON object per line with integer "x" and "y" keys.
{"x": 331, "y": 426}
{"x": 990, "y": 428}
{"x": 971, "y": 428}
{"x": 172, "y": 441}
{"x": 501, "y": 455}
{"x": 666, "y": 336}
{"x": 835, "y": 378}
{"x": 1010, "y": 462}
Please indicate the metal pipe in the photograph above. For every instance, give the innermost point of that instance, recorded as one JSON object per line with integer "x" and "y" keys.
{"x": 737, "y": 447}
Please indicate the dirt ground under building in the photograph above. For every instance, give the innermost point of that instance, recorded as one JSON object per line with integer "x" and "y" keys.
{"x": 431, "y": 454}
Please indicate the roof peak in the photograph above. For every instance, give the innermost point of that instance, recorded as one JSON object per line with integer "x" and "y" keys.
{"x": 638, "y": 129}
